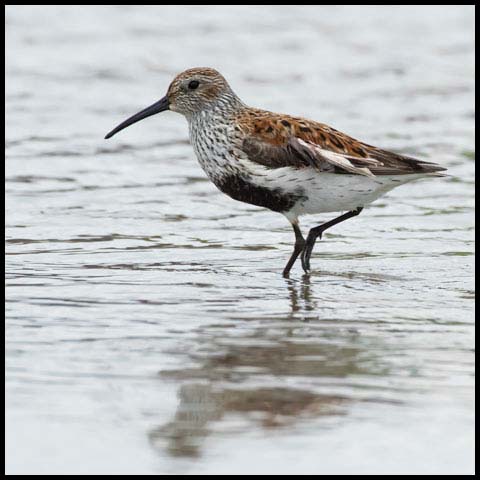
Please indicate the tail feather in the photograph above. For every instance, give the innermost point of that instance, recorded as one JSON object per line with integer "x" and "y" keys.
{"x": 430, "y": 167}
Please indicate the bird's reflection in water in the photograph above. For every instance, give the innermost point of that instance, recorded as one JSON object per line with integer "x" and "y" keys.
{"x": 229, "y": 368}
{"x": 203, "y": 404}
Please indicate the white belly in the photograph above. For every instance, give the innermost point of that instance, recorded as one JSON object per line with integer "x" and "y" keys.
{"x": 330, "y": 192}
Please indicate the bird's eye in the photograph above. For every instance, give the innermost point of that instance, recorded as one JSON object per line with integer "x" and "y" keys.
{"x": 193, "y": 84}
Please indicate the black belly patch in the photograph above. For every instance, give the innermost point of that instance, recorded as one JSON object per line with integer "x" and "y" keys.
{"x": 239, "y": 188}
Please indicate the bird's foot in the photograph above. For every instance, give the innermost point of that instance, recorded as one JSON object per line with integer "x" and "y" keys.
{"x": 307, "y": 251}
{"x": 305, "y": 261}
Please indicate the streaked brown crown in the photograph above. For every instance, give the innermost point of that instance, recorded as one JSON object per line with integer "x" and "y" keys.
{"x": 196, "y": 88}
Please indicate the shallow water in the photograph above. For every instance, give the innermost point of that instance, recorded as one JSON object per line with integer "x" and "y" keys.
{"x": 148, "y": 327}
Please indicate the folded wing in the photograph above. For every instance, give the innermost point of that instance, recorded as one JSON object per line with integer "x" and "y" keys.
{"x": 279, "y": 141}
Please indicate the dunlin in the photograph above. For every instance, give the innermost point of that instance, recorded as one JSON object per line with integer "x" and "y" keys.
{"x": 287, "y": 164}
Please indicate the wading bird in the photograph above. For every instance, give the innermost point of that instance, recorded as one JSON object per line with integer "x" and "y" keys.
{"x": 290, "y": 165}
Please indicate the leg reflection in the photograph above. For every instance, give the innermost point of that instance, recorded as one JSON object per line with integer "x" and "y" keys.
{"x": 301, "y": 300}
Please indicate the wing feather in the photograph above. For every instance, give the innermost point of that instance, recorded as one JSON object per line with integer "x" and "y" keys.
{"x": 277, "y": 141}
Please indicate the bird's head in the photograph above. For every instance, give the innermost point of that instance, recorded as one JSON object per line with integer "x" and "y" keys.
{"x": 190, "y": 92}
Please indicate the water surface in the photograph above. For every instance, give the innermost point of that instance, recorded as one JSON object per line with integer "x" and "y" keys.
{"x": 148, "y": 327}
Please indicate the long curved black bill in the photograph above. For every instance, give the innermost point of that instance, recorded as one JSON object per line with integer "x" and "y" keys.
{"x": 157, "y": 107}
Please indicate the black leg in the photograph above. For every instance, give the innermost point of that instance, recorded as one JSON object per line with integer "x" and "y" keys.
{"x": 317, "y": 233}
{"x": 299, "y": 244}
